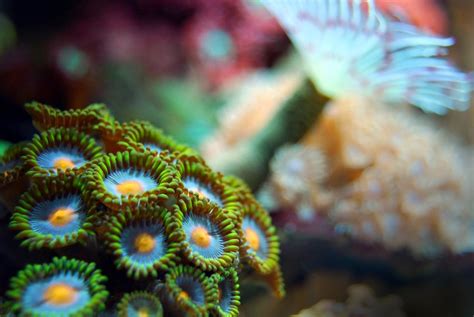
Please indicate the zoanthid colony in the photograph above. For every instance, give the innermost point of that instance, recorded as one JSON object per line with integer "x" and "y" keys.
{"x": 135, "y": 224}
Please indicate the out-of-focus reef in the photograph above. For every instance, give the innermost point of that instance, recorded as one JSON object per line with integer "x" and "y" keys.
{"x": 379, "y": 175}
{"x": 462, "y": 24}
{"x": 265, "y": 110}
{"x": 135, "y": 223}
{"x": 253, "y": 102}
{"x": 361, "y": 301}
{"x": 164, "y": 47}
{"x": 227, "y": 39}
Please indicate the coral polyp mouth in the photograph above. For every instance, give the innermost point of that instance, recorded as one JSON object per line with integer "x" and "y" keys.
{"x": 200, "y": 236}
{"x": 67, "y": 217}
{"x": 253, "y": 238}
{"x": 140, "y": 243}
{"x": 62, "y": 216}
{"x": 144, "y": 243}
{"x": 59, "y": 151}
{"x": 130, "y": 187}
{"x": 129, "y": 182}
{"x": 63, "y": 287}
{"x": 63, "y": 163}
{"x": 203, "y": 236}
{"x": 52, "y": 214}
{"x": 60, "y": 294}
{"x": 61, "y": 159}
{"x": 131, "y": 179}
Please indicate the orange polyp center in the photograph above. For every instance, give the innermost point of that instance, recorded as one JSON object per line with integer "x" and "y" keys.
{"x": 200, "y": 193}
{"x": 183, "y": 295}
{"x": 60, "y": 294}
{"x": 144, "y": 243}
{"x": 252, "y": 238}
{"x": 63, "y": 163}
{"x": 61, "y": 216}
{"x": 200, "y": 236}
{"x": 143, "y": 312}
{"x": 131, "y": 187}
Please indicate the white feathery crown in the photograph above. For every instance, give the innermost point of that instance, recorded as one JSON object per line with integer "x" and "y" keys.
{"x": 348, "y": 46}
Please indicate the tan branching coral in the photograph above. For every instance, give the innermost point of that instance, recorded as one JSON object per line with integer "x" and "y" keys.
{"x": 299, "y": 172}
{"x": 391, "y": 178}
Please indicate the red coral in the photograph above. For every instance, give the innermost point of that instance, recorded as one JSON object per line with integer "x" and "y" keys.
{"x": 426, "y": 14}
{"x": 246, "y": 37}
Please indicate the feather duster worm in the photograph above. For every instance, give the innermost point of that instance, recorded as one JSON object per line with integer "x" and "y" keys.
{"x": 208, "y": 237}
{"x": 62, "y": 287}
{"x": 52, "y": 214}
{"x": 139, "y": 304}
{"x": 139, "y": 240}
{"x": 130, "y": 179}
{"x": 46, "y": 117}
{"x": 228, "y": 293}
{"x": 59, "y": 151}
{"x": 428, "y": 15}
{"x": 350, "y": 47}
{"x": 190, "y": 290}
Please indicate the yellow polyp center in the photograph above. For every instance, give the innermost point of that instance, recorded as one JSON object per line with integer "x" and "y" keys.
{"x": 144, "y": 243}
{"x": 252, "y": 238}
{"x": 200, "y": 194}
{"x": 183, "y": 295}
{"x": 200, "y": 236}
{"x": 63, "y": 163}
{"x": 61, "y": 217}
{"x": 60, "y": 294}
{"x": 143, "y": 312}
{"x": 131, "y": 187}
